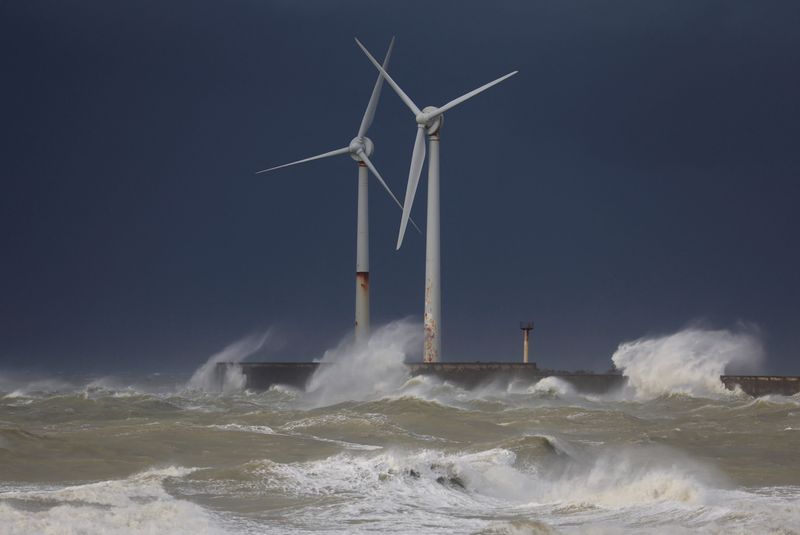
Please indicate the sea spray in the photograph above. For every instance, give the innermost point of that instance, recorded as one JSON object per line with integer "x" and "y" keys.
{"x": 13, "y": 385}
{"x": 205, "y": 376}
{"x": 687, "y": 362}
{"x": 355, "y": 372}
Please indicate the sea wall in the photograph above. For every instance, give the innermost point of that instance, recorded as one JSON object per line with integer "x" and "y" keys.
{"x": 472, "y": 374}
{"x": 262, "y": 375}
{"x": 761, "y": 385}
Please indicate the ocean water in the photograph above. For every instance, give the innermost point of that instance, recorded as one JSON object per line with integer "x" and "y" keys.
{"x": 366, "y": 448}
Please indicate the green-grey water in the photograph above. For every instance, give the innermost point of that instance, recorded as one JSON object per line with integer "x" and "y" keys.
{"x": 156, "y": 454}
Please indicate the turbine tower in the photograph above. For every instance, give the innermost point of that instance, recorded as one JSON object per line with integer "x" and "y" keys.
{"x": 360, "y": 149}
{"x": 429, "y": 120}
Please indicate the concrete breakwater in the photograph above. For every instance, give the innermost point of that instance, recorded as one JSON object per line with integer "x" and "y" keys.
{"x": 762, "y": 385}
{"x": 263, "y": 375}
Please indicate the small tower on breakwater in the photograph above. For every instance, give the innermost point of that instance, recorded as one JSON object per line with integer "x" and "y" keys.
{"x": 526, "y": 327}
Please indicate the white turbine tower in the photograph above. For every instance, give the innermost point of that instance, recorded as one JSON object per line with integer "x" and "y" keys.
{"x": 429, "y": 120}
{"x": 360, "y": 149}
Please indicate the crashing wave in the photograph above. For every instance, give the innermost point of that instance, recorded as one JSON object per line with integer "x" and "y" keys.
{"x": 688, "y": 362}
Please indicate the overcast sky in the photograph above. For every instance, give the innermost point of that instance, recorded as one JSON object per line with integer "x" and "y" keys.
{"x": 639, "y": 174}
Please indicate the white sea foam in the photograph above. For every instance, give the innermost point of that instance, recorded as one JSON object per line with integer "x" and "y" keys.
{"x": 629, "y": 489}
{"x": 613, "y": 479}
{"x": 257, "y": 429}
{"x": 266, "y": 430}
{"x": 515, "y": 393}
{"x": 135, "y": 505}
{"x": 687, "y": 362}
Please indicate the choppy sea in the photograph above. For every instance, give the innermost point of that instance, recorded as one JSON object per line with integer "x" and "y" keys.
{"x": 366, "y": 448}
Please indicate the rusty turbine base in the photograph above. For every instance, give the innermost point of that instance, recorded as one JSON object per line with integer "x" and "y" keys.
{"x": 362, "y": 257}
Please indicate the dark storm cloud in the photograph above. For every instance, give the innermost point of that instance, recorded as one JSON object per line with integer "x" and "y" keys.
{"x": 639, "y": 173}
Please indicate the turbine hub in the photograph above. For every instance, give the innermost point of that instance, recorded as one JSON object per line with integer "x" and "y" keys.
{"x": 431, "y": 124}
{"x": 361, "y": 143}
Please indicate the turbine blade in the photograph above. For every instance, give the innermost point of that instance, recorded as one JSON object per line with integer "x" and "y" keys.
{"x": 459, "y": 100}
{"x": 405, "y": 98}
{"x": 369, "y": 114}
{"x": 417, "y": 158}
{"x": 369, "y": 164}
{"x": 336, "y": 152}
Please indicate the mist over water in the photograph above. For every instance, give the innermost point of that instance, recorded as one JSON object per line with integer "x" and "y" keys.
{"x": 368, "y": 448}
{"x": 354, "y": 372}
{"x": 205, "y": 376}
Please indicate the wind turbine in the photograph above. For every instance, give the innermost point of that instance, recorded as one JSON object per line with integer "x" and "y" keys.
{"x": 360, "y": 149}
{"x": 429, "y": 120}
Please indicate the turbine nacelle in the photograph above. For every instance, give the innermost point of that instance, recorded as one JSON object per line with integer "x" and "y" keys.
{"x": 431, "y": 118}
{"x": 361, "y": 144}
